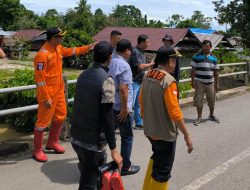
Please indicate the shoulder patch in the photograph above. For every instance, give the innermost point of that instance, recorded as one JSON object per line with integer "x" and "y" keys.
{"x": 40, "y": 66}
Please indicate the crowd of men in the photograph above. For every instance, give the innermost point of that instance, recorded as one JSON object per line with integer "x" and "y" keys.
{"x": 119, "y": 89}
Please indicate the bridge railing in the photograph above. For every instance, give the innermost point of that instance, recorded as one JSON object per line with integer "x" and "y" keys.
{"x": 245, "y": 72}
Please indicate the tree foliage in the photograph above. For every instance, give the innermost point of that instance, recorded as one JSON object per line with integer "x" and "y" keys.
{"x": 80, "y": 18}
{"x": 14, "y": 14}
{"x": 129, "y": 15}
{"x": 100, "y": 20}
{"x": 197, "y": 20}
{"x": 50, "y": 18}
{"x": 174, "y": 20}
{"x": 236, "y": 14}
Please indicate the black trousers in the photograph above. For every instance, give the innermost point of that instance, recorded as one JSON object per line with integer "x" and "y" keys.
{"x": 163, "y": 157}
{"x": 176, "y": 72}
{"x": 89, "y": 163}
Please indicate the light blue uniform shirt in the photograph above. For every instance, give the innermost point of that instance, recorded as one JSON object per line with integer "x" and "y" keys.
{"x": 121, "y": 72}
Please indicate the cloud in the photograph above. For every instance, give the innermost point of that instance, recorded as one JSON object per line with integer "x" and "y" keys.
{"x": 155, "y": 9}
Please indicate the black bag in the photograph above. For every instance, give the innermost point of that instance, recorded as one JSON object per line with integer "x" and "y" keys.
{"x": 107, "y": 167}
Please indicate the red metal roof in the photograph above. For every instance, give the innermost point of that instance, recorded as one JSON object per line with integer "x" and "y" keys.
{"x": 214, "y": 38}
{"x": 27, "y": 34}
{"x": 155, "y": 35}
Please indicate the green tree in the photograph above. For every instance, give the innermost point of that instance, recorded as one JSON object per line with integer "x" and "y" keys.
{"x": 155, "y": 24}
{"x": 174, "y": 20}
{"x": 127, "y": 15}
{"x": 13, "y": 15}
{"x": 188, "y": 23}
{"x": 100, "y": 20}
{"x": 197, "y": 20}
{"x": 27, "y": 20}
{"x": 80, "y": 18}
{"x": 76, "y": 38}
{"x": 50, "y": 19}
{"x": 236, "y": 14}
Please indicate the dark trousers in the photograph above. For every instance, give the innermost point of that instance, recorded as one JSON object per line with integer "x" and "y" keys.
{"x": 126, "y": 133}
{"x": 163, "y": 157}
{"x": 176, "y": 73}
{"x": 89, "y": 163}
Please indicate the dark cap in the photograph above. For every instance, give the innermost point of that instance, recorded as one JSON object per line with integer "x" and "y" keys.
{"x": 54, "y": 32}
{"x": 167, "y": 37}
{"x": 122, "y": 45}
{"x": 164, "y": 54}
{"x": 102, "y": 51}
{"x": 167, "y": 52}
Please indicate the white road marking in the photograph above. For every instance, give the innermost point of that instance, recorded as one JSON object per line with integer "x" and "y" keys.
{"x": 203, "y": 180}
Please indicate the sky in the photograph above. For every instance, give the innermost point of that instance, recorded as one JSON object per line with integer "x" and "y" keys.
{"x": 154, "y": 9}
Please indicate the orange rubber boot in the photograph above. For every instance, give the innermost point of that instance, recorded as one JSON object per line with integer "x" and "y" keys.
{"x": 106, "y": 180}
{"x": 53, "y": 141}
{"x": 38, "y": 153}
{"x": 116, "y": 181}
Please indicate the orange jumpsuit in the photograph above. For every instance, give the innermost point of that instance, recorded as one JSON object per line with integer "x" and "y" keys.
{"x": 50, "y": 84}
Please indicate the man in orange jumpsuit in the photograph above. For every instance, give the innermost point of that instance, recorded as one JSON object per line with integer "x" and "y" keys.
{"x": 50, "y": 91}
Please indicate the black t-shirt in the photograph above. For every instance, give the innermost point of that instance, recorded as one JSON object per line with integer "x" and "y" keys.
{"x": 137, "y": 57}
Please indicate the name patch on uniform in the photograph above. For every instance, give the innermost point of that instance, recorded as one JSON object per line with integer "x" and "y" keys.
{"x": 40, "y": 66}
{"x": 155, "y": 74}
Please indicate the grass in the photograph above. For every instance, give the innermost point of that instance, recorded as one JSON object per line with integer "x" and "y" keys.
{"x": 71, "y": 73}
{"x": 5, "y": 74}
{"x": 23, "y": 63}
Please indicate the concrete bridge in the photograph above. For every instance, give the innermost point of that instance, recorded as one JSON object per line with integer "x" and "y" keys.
{"x": 220, "y": 160}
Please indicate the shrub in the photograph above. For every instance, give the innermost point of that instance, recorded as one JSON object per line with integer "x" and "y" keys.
{"x": 76, "y": 38}
{"x": 184, "y": 89}
{"x": 23, "y": 122}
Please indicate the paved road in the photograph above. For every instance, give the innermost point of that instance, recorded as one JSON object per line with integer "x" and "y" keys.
{"x": 220, "y": 161}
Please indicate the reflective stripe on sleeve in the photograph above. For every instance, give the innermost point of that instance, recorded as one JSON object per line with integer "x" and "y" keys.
{"x": 41, "y": 84}
{"x": 43, "y": 50}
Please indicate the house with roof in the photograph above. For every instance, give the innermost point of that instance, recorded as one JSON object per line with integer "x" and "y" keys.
{"x": 209, "y": 34}
{"x": 184, "y": 40}
{"x": 3, "y": 34}
{"x": 38, "y": 41}
{"x": 25, "y": 35}
{"x": 9, "y": 41}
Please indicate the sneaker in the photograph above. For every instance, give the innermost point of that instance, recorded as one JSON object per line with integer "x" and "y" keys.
{"x": 197, "y": 122}
{"x": 139, "y": 127}
{"x": 106, "y": 180}
{"x": 213, "y": 118}
{"x": 132, "y": 170}
{"x": 116, "y": 181}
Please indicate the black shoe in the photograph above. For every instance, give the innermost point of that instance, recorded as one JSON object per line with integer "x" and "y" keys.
{"x": 132, "y": 170}
{"x": 213, "y": 118}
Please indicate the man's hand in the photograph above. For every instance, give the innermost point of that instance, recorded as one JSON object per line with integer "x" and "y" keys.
{"x": 152, "y": 63}
{"x": 117, "y": 158}
{"x": 122, "y": 116}
{"x": 189, "y": 143}
{"x": 91, "y": 46}
{"x": 193, "y": 84}
{"x": 48, "y": 103}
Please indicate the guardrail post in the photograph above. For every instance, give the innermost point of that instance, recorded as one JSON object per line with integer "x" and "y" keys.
{"x": 247, "y": 76}
{"x": 65, "y": 134}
